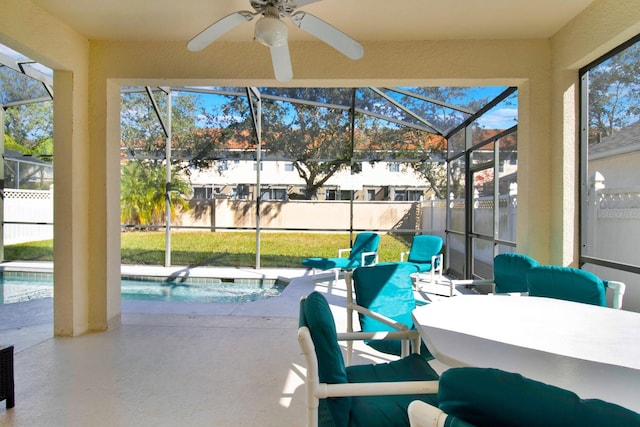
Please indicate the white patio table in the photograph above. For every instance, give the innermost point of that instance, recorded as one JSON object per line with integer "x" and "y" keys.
{"x": 593, "y": 351}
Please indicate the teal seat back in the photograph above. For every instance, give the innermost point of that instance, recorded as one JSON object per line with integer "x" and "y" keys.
{"x": 385, "y": 289}
{"x": 316, "y": 315}
{"x": 365, "y": 242}
{"x": 510, "y": 272}
{"x": 567, "y": 283}
{"x": 491, "y": 397}
{"x": 423, "y": 247}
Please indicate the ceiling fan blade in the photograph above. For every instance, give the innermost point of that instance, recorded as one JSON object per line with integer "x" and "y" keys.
{"x": 328, "y": 34}
{"x": 218, "y": 28}
{"x": 300, "y": 3}
{"x": 281, "y": 63}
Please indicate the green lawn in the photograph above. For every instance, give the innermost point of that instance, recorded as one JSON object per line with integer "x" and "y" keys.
{"x": 231, "y": 249}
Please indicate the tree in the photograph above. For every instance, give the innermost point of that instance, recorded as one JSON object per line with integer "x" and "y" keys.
{"x": 614, "y": 93}
{"x": 142, "y": 193}
{"x": 30, "y": 124}
{"x": 314, "y": 138}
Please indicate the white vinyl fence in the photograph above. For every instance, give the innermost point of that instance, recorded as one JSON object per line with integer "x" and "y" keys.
{"x": 27, "y": 206}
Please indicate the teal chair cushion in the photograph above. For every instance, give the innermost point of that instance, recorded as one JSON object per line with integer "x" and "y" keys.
{"x": 387, "y": 289}
{"x": 423, "y": 247}
{"x": 365, "y": 242}
{"x": 330, "y": 263}
{"x": 510, "y": 272}
{"x": 388, "y": 411}
{"x": 491, "y": 397}
{"x": 316, "y": 315}
{"x": 566, "y": 283}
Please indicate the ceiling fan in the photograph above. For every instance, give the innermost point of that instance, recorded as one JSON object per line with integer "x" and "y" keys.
{"x": 271, "y": 31}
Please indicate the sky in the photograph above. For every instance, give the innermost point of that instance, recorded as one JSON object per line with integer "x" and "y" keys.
{"x": 502, "y": 116}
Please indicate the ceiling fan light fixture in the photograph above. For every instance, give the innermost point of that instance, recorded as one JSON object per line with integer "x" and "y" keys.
{"x": 271, "y": 31}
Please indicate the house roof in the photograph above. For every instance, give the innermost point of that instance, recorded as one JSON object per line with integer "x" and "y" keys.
{"x": 24, "y": 158}
{"x": 622, "y": 142}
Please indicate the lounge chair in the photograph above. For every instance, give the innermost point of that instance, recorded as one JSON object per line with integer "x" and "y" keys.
{"x": 425, "y": 255}
{"x": 364, "y": 252}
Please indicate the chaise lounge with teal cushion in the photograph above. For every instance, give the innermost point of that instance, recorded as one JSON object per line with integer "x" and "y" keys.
{"x": 364, "y": 252}
{"x": 425, "y": 255}
{"x": 573, "y": 284}
{"x": 384, "y": 300}
{"x": 479, "y": 397}
{"x": 374, "y": 395}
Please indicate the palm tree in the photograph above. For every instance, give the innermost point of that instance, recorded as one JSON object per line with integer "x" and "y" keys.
{"x": 142, "y": 193}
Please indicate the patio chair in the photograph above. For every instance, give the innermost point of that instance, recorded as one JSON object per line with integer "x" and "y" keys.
{"x": 425, "y": 255}
{"x": 509, "y": 274}
{"x": 374, "y": 395}
{"x": 491, "y": 397}
{"x": 384, "y": 300}
{"x": 364, "y": 252}
{"x": 573, "y": 284}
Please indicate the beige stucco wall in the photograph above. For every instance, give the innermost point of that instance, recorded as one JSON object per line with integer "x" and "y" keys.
{"x": 89, "y": 73}
{"x": 295, "y": 214}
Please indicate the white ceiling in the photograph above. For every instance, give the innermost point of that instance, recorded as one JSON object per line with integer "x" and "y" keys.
{"x": 361, "y": 19}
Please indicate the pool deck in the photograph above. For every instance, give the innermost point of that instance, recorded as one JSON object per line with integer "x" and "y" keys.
{"x": 170, "y": 363}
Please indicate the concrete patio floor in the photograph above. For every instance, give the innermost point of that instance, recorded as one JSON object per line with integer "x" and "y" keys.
{"x": 169, "y": 364}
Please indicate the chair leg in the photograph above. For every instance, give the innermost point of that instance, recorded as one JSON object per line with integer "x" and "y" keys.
{"x": 348, "y": 278}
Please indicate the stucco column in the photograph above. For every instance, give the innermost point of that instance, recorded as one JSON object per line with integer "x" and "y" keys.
{"x": 563, "y": 248}
{"x": 104, "y": 209}
{"x": 71, "y": 201}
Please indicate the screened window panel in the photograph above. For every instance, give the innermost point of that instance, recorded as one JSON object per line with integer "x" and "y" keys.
{"x": 611, "y": 209}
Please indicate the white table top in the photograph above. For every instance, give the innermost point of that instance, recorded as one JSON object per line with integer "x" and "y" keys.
{"x": 593, "y": 351}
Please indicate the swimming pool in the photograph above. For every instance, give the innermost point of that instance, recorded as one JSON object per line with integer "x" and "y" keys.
{"x": 26, "y": 286}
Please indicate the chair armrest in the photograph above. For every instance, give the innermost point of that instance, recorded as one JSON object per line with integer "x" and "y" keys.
{"x": 618, "y": 292}
{"x": 342, "y": 251}
{"x": 380, "y": 318}
{"x": 376, "y": 389}
{"x": 402, "y": 255}
{"x": 472, "y": 282}
{"x": 368, "y": 254}
{"x": 421, "y": 414}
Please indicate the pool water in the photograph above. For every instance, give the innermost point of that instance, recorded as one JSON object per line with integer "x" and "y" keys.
{"x": 23, "y": 286}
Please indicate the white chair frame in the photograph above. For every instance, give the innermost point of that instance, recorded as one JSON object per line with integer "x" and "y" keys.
{"x": 421, "y": 414}
{"x": 437, "y": 262}
{"x": 347, "y": 250}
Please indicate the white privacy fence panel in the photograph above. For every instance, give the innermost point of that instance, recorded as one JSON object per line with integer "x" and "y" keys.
{"x": 612, "y": 232}
{"x": 613, "y": 224}
{"x": 434, "y": 218}
{"x": 28, "y": 206}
